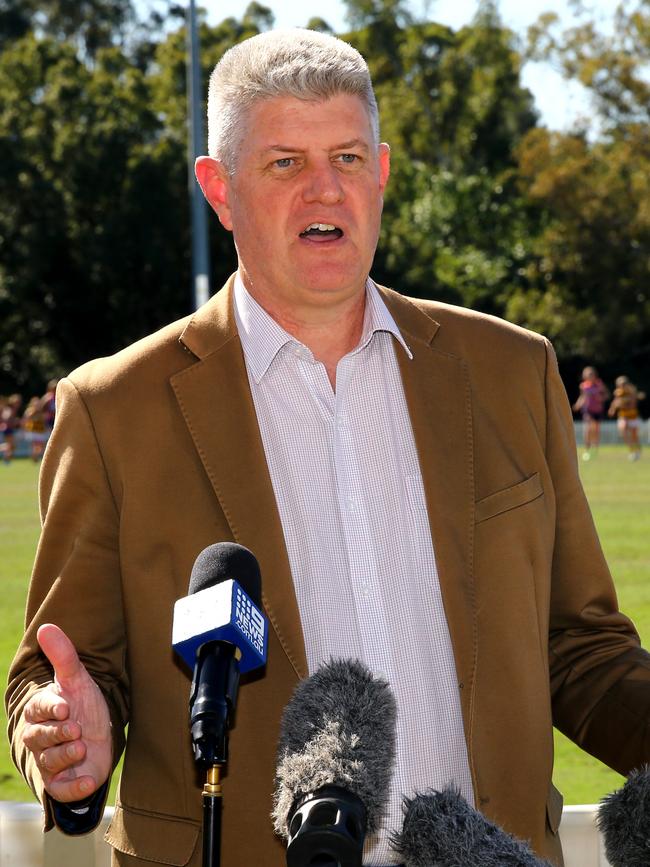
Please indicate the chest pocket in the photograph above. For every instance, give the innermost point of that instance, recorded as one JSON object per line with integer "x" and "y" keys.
{"x": 509, "y": 498}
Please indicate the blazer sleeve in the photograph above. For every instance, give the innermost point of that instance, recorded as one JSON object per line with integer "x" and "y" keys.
{"x": 600, "y": 675}
{"x": 75, "y": 580}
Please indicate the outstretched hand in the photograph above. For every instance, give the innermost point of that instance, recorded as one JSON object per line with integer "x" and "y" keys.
{"x": 68, "y": 726}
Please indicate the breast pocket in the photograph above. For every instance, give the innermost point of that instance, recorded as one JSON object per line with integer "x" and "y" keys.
{"x": 509, "y": 498}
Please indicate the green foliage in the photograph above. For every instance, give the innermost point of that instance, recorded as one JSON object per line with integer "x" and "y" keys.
{"x": 94, "y": 240}
{"x": 453, "y": 109}
{"x": 95, "y": 187}
{"x": 258, "y": 16}
{"x": 459, "y": 238}
{"x": 484, "y": 207}
{"x": 589, "y": 277}
{"x": 451, "y": 100}
{"x": 90, "y": 24}
{"x": 613, "y": 64}
{"x": 318, "y": 23}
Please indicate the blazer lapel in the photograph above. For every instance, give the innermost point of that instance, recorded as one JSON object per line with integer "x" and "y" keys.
{"x": 216, "y": 403}
{"x": 437, "y": 391}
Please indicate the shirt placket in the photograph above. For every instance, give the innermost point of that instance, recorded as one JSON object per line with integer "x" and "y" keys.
{"x": 357, "y": 529}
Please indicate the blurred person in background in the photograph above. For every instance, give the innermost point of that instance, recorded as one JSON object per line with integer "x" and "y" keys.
{"x": 9, "y": 425}
{"x": 48, "y": 404}
{"x": 625, "y": 407}
{"x": 34, "y": 429}
{"x": 591, "y": 406}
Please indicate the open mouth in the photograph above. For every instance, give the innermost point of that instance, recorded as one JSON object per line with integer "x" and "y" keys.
{"x": 321, "y": 232}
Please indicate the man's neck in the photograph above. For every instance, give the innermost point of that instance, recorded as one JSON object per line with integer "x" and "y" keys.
{"x": 330, "y": 332}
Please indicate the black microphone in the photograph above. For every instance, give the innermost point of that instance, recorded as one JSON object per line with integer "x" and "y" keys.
{"x": 335, "y": 760}
{"x": 441, "y": 830}
{"x": 220, "y": 632}
{"x": 624, "y": 821}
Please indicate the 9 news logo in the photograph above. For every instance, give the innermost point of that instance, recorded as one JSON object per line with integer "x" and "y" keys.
{"x": 249, "y": 621}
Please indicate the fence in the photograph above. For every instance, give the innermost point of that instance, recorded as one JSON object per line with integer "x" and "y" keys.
{"x": 609, "y": 434}
{"x": 22, "y": 843}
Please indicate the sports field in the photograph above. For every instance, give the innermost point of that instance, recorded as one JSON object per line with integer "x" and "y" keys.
{"x": 619, "y": 493}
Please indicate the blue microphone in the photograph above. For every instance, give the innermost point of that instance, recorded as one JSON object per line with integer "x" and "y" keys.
{"x": 220, "y": 632}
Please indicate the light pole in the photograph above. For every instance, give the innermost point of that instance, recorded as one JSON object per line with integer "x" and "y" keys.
{"x": 196, "y": 143}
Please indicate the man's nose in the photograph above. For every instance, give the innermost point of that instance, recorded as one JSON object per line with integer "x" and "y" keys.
{"x": 323, "y": 184}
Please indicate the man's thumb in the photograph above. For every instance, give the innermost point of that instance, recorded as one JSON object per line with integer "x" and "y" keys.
{"x": 61, "y": 652}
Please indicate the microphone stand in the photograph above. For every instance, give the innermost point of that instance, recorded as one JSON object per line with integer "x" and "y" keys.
{"x": 212, "y": 809}
{"x": 212, "y": 702}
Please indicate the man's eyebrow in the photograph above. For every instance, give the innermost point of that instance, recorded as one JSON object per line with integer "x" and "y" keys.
{"x": 284, "y": 149}
{"x": 353, "y": 143}
{"x": 287, "y": 149}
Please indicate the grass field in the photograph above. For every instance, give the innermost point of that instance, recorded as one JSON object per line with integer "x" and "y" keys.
{"x": 619, "y": 493}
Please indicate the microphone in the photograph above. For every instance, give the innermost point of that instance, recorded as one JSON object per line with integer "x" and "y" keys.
{"x": 441, "y": 830}
{"x": 335, "y": 758}
{"x": 624, "y": 821}
{"x": 220, "y": 631}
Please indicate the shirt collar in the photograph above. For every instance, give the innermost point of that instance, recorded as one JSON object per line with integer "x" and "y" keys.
{"x": 262, "y": 338}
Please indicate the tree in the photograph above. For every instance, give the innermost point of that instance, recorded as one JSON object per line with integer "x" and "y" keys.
{"x": 94, "y": 240}
{"x": 453, "y": 109}
{"x": 90, "y": 24}
{"x": 95, "y": 195}
{"x": 588, "y": 280}
{"x": 613, "y": 65}
{"x": 484, "y": 208}
{"x": 318, "y": 23}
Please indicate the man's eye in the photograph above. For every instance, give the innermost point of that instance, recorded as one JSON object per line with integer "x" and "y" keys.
{"x": 348, "y": 158}
{"x": 284, "y": 162}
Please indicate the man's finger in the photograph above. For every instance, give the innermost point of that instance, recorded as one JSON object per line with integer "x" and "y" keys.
{"x": 46, "y": 705}
{"x": 65, "y": 789}
{"x": 61, "y": 652}
{"x": 40, "y": 736}
{"x": 60, "y": 758}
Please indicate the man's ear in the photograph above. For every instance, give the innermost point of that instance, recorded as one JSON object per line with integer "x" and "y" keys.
{"x": 384, "y": 165}
{"x": 214, "y": 181}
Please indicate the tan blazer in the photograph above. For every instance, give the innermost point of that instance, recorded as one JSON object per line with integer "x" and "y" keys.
{"x": 156, "y": 454}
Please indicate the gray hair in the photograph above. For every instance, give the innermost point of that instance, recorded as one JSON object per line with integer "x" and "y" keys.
{"x": 305, "y": 64}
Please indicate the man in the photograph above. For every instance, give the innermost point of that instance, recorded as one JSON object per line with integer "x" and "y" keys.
{"x": 404, "y": 507}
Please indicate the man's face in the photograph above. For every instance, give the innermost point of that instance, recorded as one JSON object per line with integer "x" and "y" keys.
{"x": 304, "y": 203}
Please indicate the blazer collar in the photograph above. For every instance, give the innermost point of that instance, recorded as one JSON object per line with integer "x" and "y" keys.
{"x": 212, "y": 325}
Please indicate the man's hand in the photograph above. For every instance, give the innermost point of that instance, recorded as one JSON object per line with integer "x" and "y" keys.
{"x": 68, "y": 726}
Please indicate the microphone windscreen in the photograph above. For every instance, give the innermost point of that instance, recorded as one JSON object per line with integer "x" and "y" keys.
{"x": 624, "y": 821}
{"x": 337, "y": 730}
{"x": 225, "y": 560}
{"x": 441, "y": 830}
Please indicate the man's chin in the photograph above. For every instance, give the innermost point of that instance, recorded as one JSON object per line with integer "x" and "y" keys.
{"x": 324, "y": 292}
{"x": 330, "y": 280}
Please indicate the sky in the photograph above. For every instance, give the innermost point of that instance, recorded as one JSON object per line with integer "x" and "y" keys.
{"x": 558, "y": 102}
